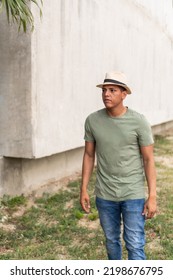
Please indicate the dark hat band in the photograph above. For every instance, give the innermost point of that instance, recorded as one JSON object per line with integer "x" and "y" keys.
{"x": 114, "y": 82}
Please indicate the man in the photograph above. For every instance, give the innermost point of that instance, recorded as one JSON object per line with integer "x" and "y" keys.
{"x": 123, "y": 142}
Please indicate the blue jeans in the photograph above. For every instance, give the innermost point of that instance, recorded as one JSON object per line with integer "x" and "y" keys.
{"x": 110, "y": 214}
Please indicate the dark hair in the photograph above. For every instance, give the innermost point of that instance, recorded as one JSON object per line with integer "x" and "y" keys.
{"x": 122, "y": 88}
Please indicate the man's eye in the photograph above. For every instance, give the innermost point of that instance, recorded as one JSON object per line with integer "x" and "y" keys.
{"x": 112, "y": 90}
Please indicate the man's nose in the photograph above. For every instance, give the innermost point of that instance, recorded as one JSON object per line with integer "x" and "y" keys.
{"x": 107, "y": 93}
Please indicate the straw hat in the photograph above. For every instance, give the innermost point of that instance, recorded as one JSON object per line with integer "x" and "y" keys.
{"x": 116, "y": 78}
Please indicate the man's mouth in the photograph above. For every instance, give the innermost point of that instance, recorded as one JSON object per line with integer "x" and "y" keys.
{"x": 107, "y": 100}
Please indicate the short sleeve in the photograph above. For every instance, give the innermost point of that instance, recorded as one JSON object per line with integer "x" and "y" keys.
{"x": 145, "y": 136}
{"x": 88, "y": 132}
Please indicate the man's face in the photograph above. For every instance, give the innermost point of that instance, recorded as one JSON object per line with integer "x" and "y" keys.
{"x": 113, "y": 96}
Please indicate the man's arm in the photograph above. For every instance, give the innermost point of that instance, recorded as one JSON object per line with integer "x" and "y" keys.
{"x": 150, "y": 173}
{"x": 87, "y": 169}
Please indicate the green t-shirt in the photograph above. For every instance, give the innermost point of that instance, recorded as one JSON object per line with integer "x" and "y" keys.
{"x": 120, "y": 173}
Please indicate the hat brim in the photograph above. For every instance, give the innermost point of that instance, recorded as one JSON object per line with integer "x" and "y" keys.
{"x": 115, "y": 84}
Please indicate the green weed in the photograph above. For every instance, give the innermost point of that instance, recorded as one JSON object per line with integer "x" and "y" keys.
{"x": 14, "y": 201}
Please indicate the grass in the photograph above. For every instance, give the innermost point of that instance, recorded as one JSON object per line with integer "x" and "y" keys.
{"x": 53, "y": 226}
{"x": 160, "y": 229}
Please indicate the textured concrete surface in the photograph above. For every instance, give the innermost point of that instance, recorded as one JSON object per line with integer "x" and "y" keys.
{"x": 48, "y": 77}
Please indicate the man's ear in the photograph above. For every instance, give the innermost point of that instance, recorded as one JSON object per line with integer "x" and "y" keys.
{"x": 124, "y": 94}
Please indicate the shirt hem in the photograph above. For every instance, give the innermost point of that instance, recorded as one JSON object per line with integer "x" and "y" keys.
{"x": 130, "y": 197}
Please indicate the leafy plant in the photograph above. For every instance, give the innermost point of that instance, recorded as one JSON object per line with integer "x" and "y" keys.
{"x": 19, "y": 11}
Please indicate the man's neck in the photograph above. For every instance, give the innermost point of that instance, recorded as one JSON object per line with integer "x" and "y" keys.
{"x": 117, "y": 112}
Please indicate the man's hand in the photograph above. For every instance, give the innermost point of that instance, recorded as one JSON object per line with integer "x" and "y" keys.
{"x": 149, "y": 208}
{"x": 85, "y": 201}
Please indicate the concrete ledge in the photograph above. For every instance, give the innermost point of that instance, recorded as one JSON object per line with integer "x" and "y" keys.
{"x": 1, "y": 174}
{"x": 163, "y": 128}
{"x": 19, "y": 176}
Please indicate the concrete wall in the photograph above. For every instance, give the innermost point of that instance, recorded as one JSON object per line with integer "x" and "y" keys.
{"x": 82, "y": 41}
{"x": 48, "y": 78}
{"x": 15, "y": 91}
